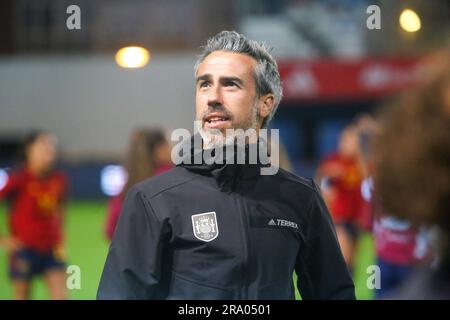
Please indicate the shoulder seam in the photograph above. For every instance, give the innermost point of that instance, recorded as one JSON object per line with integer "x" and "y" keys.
{"x": 297, "y": 179}
{"x": 148, "y": 206}
{"x": 165, "y": 189}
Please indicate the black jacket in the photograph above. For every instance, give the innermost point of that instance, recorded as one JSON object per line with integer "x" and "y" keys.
{"x": 224, "y": 232}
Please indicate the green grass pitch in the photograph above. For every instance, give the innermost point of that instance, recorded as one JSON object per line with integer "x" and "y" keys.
{"x": 87, "y": 248}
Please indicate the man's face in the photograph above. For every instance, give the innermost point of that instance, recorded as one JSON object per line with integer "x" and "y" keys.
{"x": 226, "y": 92}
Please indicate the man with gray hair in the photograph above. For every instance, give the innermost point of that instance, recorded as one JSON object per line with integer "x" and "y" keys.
{"x": 223, "y": 230}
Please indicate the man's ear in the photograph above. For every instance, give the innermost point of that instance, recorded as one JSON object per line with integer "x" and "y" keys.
{"x": 267, "y": 102}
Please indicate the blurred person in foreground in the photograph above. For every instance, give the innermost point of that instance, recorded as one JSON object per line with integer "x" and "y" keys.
{"x": 412, "y": 173}
{"x": 36, "y": 195}
{"x": 210, "y": 230}
{"x": 400, "y": 246}
{"x": 148, "y": 155}
{"x": 340, "y": 175}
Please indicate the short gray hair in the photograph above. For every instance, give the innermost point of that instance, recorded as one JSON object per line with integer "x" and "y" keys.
{"x": 266, "y": 73}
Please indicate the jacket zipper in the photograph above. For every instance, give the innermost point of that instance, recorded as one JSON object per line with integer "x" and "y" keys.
{"x": 245, "y": 245}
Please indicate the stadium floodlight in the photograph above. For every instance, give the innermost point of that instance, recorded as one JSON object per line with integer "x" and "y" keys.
{"x": 132, "y": 57}
{"x": 113, "y": 179}
{"x": 410, "y": 20}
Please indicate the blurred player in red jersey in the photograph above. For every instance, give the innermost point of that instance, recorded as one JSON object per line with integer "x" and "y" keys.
{"x": 340, "y": 177}
{"x": 36, "y": 195}
{"x": 416, "y": 127}
{"x": 400, "y": 246}
{"x": 148, "y": 155}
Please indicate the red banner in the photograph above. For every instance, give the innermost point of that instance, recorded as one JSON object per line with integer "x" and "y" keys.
{"x": 336, "y": 80}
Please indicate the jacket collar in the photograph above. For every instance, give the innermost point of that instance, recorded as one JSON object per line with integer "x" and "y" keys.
{"x": 226, "y": 174}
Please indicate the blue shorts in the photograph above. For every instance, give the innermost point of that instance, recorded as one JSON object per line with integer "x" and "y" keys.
{"x": 392, "y": 277}
{"x": 26, "y": 263}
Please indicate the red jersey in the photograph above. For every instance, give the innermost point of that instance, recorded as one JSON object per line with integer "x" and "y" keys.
{"x": 37, "y": 208}
{"x": 397, "y": 241}
{"x": 345, "y": 201}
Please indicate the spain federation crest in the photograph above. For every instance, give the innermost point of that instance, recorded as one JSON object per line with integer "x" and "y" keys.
{"x": 205, "y": 226}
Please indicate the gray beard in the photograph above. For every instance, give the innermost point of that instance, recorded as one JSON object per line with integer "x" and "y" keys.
{"x": 216, "y": 138}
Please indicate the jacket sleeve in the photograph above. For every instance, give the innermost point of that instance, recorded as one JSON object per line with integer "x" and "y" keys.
{"x": 133, "y": 266}
{"x": 321, "y": 270}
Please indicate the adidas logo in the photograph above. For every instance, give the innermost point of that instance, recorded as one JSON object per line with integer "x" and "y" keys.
{"x": 282, "y": 223}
